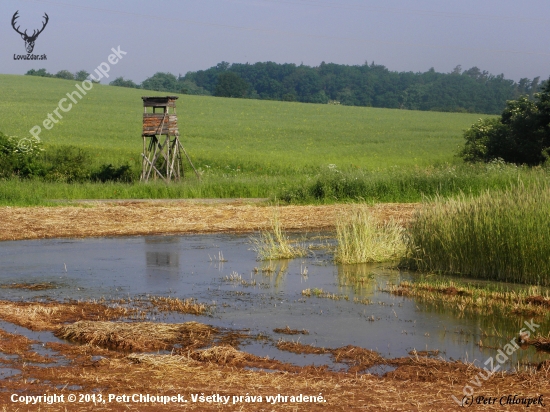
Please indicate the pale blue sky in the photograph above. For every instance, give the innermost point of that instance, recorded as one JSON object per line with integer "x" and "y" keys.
{"x": 500, "y": 36}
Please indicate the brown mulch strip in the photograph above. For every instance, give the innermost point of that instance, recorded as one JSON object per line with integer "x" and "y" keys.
{"x": 538, "y": 301}
{"x": 14, "y": 344}
{"x": 357, "y": 359}
{"x": 138, "y": 218}
{"x": 541, "y": 343}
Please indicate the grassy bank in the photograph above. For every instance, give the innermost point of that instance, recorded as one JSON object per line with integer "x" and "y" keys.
{"x": 243, "y": 148}
{"x": 500, "y": 235}
{"x": 321, "y": 186}
{"x": 406, "y": 184}
{"x": 15, "y": 192}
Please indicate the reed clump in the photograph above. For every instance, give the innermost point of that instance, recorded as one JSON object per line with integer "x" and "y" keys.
{"x": 362, "y": 238}
{"x": 275, "y": 244}
{"x": 499, "y": 235}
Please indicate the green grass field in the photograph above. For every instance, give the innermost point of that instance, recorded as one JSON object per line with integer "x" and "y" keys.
{"x": 255, "y": 135}
{"x": 248, "y": 148}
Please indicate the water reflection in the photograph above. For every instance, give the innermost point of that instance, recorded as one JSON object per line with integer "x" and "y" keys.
{"x": 273, "y": 274}
{"x": 162, "y": 259}
{"x": 261, "y": 296}
{"x": 362, "y": 280}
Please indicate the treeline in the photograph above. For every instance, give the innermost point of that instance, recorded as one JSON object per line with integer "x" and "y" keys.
{"x": 62, "y": 74}
{"x": 521, "y": 135}
{"x": 373, "y": 85}
{"x": 471, "y": 90}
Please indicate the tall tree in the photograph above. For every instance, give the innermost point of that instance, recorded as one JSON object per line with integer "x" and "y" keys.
{"x": 521, "y": 135}
{"x": 231, "y": 85}
{"x": 162, "y": 82}
{"x": 120, "y": 82}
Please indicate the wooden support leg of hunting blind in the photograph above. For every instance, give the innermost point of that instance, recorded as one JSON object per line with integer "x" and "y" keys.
{"x": 162, "y": 160}
{"x": 143, "y": 159}
{"x": 190, "y": 162}
{"x": 175, "y": 165}
{"x": 167, "y": 159}
{"x": 151, "y": 165}
{"x": 153, "y": 160}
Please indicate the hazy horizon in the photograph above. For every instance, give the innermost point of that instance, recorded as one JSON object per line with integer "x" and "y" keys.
{"x": 182, "y": 36}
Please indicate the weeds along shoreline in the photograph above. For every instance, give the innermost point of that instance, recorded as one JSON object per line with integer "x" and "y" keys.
{"x": 501, "y": 235}
{"x": 314, "y": 185}
{"x": 481, "y": 220}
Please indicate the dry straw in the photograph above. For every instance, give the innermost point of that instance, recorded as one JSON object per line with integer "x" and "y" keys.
{"x": 46, "y": 316}
{"x": 220, "y": 355}
{"x": 138, "y": 336}
{"x": 190, "y": 306}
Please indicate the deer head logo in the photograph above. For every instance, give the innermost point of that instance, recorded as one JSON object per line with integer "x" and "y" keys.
{"x": 29, "y": 40}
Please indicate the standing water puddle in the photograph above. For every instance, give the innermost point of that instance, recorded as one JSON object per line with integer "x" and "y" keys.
{"x": 222, "y": 270}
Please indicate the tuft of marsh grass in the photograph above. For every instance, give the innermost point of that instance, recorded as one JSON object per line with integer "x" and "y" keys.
{"x": 275, "y": 244}
{"x": 320, "y": 293}
{"x": 362, "y": 238}
{"x": 233, "y": 277}
{"x": 500, "y": 235}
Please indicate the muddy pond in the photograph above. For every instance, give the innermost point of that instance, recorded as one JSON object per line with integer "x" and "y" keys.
{"x": 246, "y": 294}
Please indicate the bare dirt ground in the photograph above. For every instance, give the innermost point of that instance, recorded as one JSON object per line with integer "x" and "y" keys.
{"x": 131, "y": 218}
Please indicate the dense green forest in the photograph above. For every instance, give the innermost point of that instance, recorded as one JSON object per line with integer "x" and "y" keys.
{"x": 373, "y": 85}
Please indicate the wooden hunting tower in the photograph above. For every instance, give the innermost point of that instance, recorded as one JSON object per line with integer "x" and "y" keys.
{"x": 161, "y": 145}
